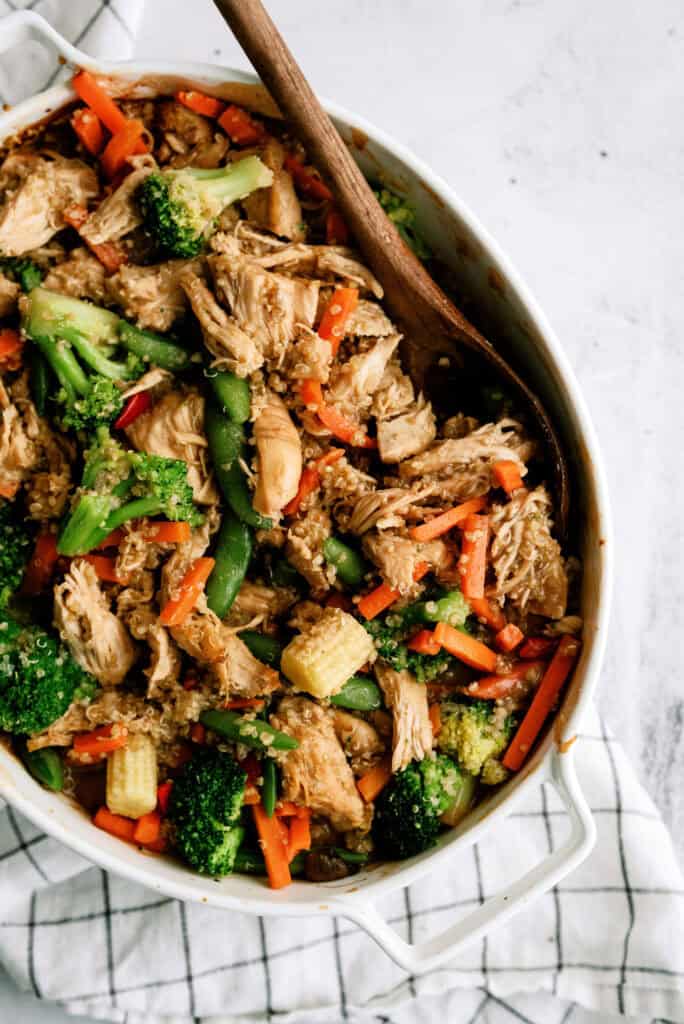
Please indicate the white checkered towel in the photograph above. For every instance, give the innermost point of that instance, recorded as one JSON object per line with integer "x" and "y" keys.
{"x": 609, "y": 938}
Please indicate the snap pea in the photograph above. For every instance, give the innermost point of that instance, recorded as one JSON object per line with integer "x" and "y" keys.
{"x": 153, "y": 347}
{"x": 251, "y": 732}
{"x": 226, "y": 446}
{"x": 265, "y": 648}
{"x": 40, "y": 379}
{"x": 232, "y": 394}
{"x": 46, "y": 766}
{"x": 269, "y": 786}
{"x": 349, "y": 856}
{"x": 451, "y": 608}
{"x": 349, "y": 564}
{"x": 283, "y": 574}
{"x": 359, "y": 694}
{"x": 231, "y": 558}
{"x": 251, "y": 862}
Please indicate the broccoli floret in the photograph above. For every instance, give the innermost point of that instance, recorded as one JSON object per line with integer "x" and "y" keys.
{"x": 408, "y": 811}
{"x": 179, "y": 207}
{"x": 64, "y": 328}
{"x": 27, "y": 273}
{"x": 119, "y": 485}
{"x": 473, "y": 733}
{"x": 15, "y": 543}
{"x": 38, "y": 678}
{"x": 403, "y": 216}
{"x": 205, "y": 806}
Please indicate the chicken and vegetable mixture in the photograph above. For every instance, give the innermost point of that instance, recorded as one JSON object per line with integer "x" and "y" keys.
{"x": 261, "y": 603}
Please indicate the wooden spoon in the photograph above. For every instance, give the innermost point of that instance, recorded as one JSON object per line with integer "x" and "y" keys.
{"x": 430, "y": 322}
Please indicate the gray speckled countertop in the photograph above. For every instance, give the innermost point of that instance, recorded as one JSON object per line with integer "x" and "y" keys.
{"x": 560, "y": 124}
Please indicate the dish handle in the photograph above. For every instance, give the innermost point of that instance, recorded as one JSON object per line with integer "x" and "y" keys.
{"x": 420, "y": 957}
{"x": 23, "y": 26}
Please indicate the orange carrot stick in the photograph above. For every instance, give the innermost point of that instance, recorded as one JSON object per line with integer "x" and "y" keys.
{"x": 466, "y": 648}
{"x": 177, "y": 609}
{"x": 472, "y": 565}
{"x": 549, "y": 689}
{"x": 41, "y": 565}
{"x": 168, "y": 533}
{"x": 300, "y": 834}
{"x": 311, "y": 393}
{"x": 508, "y": 638}
{"x": 122, "y": 144}
{"x": 334, "y": 320}
{"x": 372, "y": 782}
{"x": 94, "y": 96}
{"x": 435, "y": 715}
{"x": 442, "y": 524}
{"x": 487, "y": 612}
{"x": 115, "y": 824}
{"x": 273, "y": 847}
{"x": 105, "y": 568}
{"x": 148, "y": 828}
{"x": 89, "y": 130}
{"x": 424, "y": 643}
{"x": 506, "y": 474}
{"x": 241, "y": 126}
{"x": 310, "y": 479}
{"x": 8, "y": 490}
{"x": 102, "y": 740}
{"x": 287, "y": 809}
{"x": 383, "y": 596}
{"x": 244, "y": 702}
{"x": 164, "y": 795}
{"x": 110, "y": 255}
{"x": 208, "y": 106}
{"x": 11, "y": 345}
{"x": 519, "y": 680}
{"x": 305, "y": 180}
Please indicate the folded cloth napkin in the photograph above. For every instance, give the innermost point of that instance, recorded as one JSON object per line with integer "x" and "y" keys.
{"x": 608, "y": 941}
{"x": 610, "y": 937}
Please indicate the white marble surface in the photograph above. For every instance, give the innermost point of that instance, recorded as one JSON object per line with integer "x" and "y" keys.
{"x": 560, "y": 124}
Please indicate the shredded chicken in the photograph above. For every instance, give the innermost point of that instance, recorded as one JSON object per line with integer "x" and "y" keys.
{"x": 9, "y": 294}
{"x": 280, "y": 457}
{"x": 473, "y": 453}
{"x": 386, "y": 508}
{"x": 258, "y": 603}
{"x": 398, "y": 557}
{"x": 527, "y": 560}
{"x": 394, "y": 394}
{"x": 317, "y": 774}
{"x": 361, "y": 741}
{"x": 97, "y": 639}
{"x": 18, "y": 452}
{"x": 151, "y": 296}
{"x": 354, "y": 382}
{"x": 407, "y": 434}
{"x": 164, "y": 667}
{"x": 276, "y": 207}
{"x": 80, "y": 275}
{"x": 412, "y": 731}
{"x": 232, "y": 348}
{"x": 32, "y": 214}
{"x": 119, "y": 213}
{"x": 369, "y": 319}
{"x": 304, "y": 549}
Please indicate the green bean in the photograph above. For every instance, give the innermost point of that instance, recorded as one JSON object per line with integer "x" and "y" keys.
{"x": 251, "y": 862}
{"x": 232, "y": 394}
{"x": 251, "y": 732}
{"x": 231, "y": 557}
{"x": 349, "y": 856}
{"x": 157, "y": 350}
{"x": 349, "y": 564}
{"x": 359, "y": 694}
{"x": 40, "y": 379}
{"x": 46, "y": 766}
{"x": 265, "y": 648}
{"x": 269, "y": 786}
{"x": 226, "y": 446}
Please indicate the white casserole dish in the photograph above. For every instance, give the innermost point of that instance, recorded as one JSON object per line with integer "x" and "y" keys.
{"x": 519, "y": 326}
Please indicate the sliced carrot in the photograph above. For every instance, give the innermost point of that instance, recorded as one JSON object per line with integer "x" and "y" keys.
{"x": 110, "y": 255}
{"x": 41, "y": 565}
{"x": 244, "y": 702}
{"x": 251, "y": 797}
{"x": 306, "y": 180}
{"x": 382, "y": 597}
{"x": 546, "y": 696}
{"x": 164, "y": 795}
{"x": 105, "y": 568}
{"x": 506, "y": 474}
{"x": 198, "y": 733}
{"x": 310, "y": 479}
{"x": 112, "y": 540}
{"x": 334, "y": 320}
{"x": 9, "y": 490}
{"x": 372, "y": 782}
{"x": 88, "y": 128}
{"x": 300, "y": 835}
{"x": 336, "y": 230}
{"x": 538, "y": 647}
{"x": 168, "y": 533}
{"x": 466, "y": 648}
{"x": 148, "y": 828}
{"x": 102, "y": 740}
{"x": 424, "y": 643}
{"x": 508, "y": 638}
{"x": 487, "y": 612}
{"x": 288, "y": 809}
{"x": 443, "y": 523}
{"x": 94, "y": 96}
{"x": 241, "y": 126}
{"x": 122, "y": 144}
{"x": 518, "y": 679}
{"x": 208, "y": 106}
{"x": 435, "y": 715}
{"x": 11, "y": 347}
{"x": 273, "y": 847}
{"x": 472, "y": 565}
{"x": 311, "y": 393}
{"x": 158, "y": 846}
{"x": 115, "y": 824}
{"x": 177, "y": 609}
{"x": 345, "y": 429}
